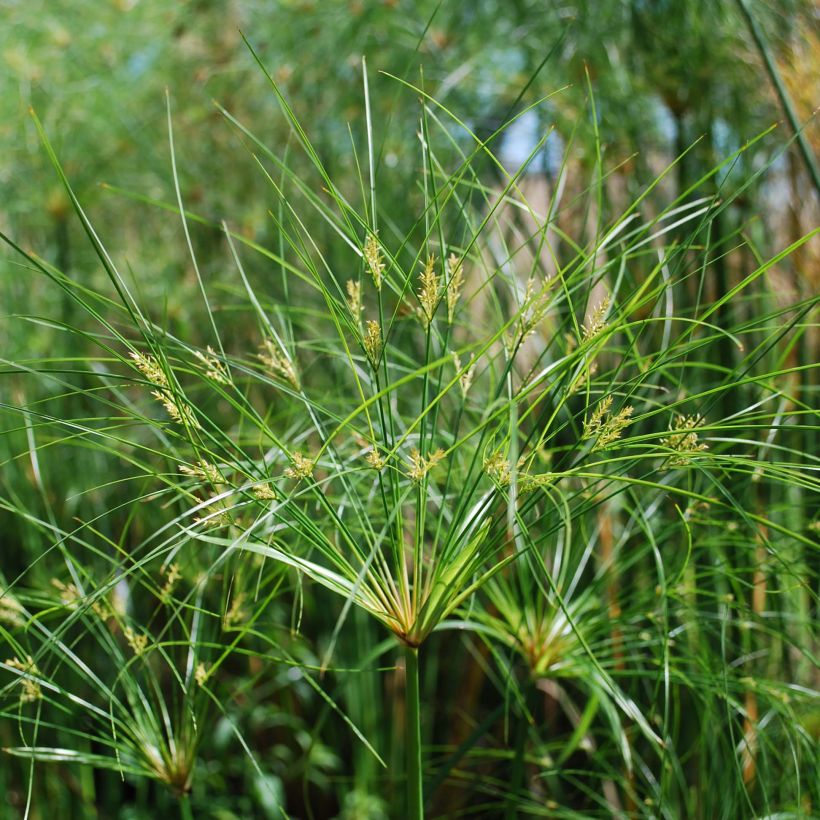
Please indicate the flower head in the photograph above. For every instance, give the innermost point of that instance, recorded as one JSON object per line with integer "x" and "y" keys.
{"x": 683, "y": 440}
{"x": 421, "y": 465}
{"x": 354, "y": 298}
{"x": 465, "y": 380}
{"x": 214, "y": 368}
{"x": 429, "y": 292}
{"x": 596, "y": 321}
{"x": 605, "y": 427}
{"x": 300, "y": 468}
{"x": 533, "y": 309}
{"x": 373, "y": 259}
{"x": 278, "y": 363}
{"x": 204, "y": 471}
{"x": 31, "y": 688}
{"x": 375, "y": 459}
{"x": 455, "y": 280}
{"x": 373, "y": 341}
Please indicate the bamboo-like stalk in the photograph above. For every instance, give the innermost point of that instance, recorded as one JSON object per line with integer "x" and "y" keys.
{"x": 415, "y": 789}
{"x": 782, "y": 94}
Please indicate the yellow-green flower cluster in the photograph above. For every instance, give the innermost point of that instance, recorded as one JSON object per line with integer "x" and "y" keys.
{"x": 604, "y": 426}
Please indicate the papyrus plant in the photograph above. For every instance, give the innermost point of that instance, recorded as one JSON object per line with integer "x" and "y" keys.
{"x": 403, "y": 391}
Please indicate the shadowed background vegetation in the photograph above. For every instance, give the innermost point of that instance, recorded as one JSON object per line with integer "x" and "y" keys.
{"x": 637, "y": 633}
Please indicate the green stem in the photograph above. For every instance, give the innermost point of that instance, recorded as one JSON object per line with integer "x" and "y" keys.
{"x": 185, "y": 807}
{"x": 782, "y": 94}
{"x": 415, "y": 790}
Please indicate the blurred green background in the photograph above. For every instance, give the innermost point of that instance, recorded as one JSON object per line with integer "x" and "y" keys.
{"x": 664, "y": 74}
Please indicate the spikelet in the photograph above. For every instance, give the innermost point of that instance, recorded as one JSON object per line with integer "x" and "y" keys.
{"x": 204, "y": 471}
{"x": 373, "y": 259}
{"x": 172, "y": 576}
{"x": 604, "y": 427}
{"x": 528, "y": 483}
{"x": 300, "y": 468}
{"x": 421, "y": 465}
{"x": 354, "y": 298}
{"x": 596, "y": 420}
{"x": 264, "y": 492}
{"x": 69, "y": 594}
{"x": 375, "y": 460}
{"x": 533, "y": 309}
{"x": 101, "y": 608}
{"x": 137, "y": 641}
{"x": 236, "y": 614}
{"x": 278, "y": 363}
{"x": 429, "y": 293}
{"x": 373, "y": 342}
{"x": 201, "y": 674}
{"x": 213, "y": 368}
{"x": 214, "y": 520}
{"x": 497, "y": 468}
{"x": 455, "y": 281}
{"x": 683, "y": 440}
{"x": 149, "y": 367}
{"x": 596, "y": 322}
{"x": 31, "y": 688}
{"x": 11, "y": 610}
{"x": 178, "y": 409}
{"x": 465, "y": 380}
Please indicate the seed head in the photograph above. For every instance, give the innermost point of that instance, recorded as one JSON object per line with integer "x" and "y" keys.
{"x": 150, "y": 368}
{"x": 596, "y": 322}
{"x": 176, "y": 407}
{"x": 11, "y": 610}
{"x": 373, "y": 259}
{"x": 213, "y": 368}
{"x": 534, "y": 308}
{"x": 528, "y": 483}
{"x": 375, "y": 459}
{"x": 683, "y": 440}
{"x": 31, "y": 688}
{"x": 354, "y": 298}
{"x": 264, "y": 492}
{"x": 455, "y": 280}
{"x": 179, "y": 410}
{"x": 429, "y": 292}
{"x": 497, "y": 468}
{"x": 172, "y": 576}
{"x": 604, "y": 427}
{"x": 465, "y": 380}
{"x": 101, "y": 608}
{"x": 201, "y": 674}
{"x": 137, "y": 641}
{"x": 214, "y": 520}
{"x": 373, "y": 342}
{"x": 204, "y": 471}
{"x": 236, "y": 614}
{"x": 300, "y": 468}
{"x": 69, "y": 594}
{"x": 421, "y": 465}
{"x": 278, "y": 363}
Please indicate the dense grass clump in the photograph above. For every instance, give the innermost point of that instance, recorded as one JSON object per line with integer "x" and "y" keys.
{"x": 499, "y": 503}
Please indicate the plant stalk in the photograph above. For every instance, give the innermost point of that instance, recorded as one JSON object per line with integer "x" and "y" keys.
{"x": 415, "y": 789}
{"x": 782, "y": 94}
{"x": 185, "y": 807}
